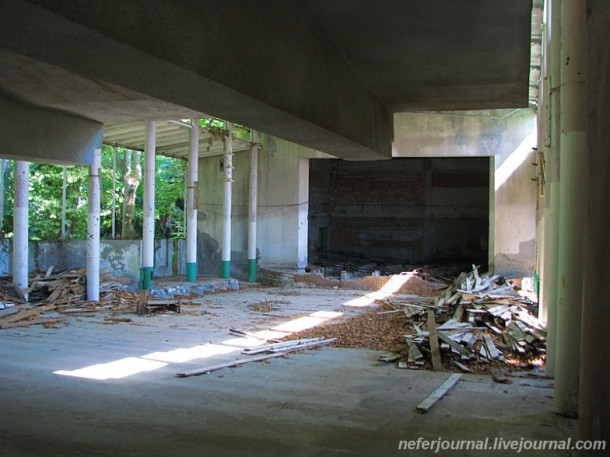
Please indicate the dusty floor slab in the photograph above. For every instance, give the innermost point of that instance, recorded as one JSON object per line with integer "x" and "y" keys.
{"x": 119, "y": 395}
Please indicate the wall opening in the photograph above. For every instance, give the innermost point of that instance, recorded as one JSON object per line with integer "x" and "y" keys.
{"x": 410, "y": 211}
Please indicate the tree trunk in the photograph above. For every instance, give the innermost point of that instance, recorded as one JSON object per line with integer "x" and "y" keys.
{"x": 131, "y": 181}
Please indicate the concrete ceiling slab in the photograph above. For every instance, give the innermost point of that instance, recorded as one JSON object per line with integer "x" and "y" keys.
{"x": 327, "y": 75}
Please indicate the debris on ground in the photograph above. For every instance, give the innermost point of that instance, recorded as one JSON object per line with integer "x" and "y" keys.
{"x": 479, "y": 324}
{"x": 269, "y": 351}
{"x": 64, "y": 293}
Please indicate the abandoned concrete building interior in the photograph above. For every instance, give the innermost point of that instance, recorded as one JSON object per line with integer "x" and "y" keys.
{"x": 397, "y": 209}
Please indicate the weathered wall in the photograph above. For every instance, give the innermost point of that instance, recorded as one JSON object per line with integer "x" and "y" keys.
{"x": 121, "y": 258}
{"x": 401, "y": 211}
{"x": 282, "y": 206}
{"x": 508, "y": 138}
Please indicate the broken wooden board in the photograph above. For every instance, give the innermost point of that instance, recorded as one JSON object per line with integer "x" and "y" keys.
{"x": 439, "y": 393}
{"x": 458, "y": 347}
{"x": 234, "y": 363}
{"x": 437, "y": 364}
{"x": 27, "y": 323}
{"x": 24, "y": 315}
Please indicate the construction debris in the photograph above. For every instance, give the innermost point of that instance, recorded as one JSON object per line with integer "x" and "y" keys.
{"x": 477, "y": 323}
{"x": 148, "y": 304}
{"x": 62, "y": 292}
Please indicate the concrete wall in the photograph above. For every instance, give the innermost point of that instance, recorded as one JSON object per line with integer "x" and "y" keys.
{"x": 508, "y": 138}
{"x": 121, "y": 258}
{"x": 283, "y": 187}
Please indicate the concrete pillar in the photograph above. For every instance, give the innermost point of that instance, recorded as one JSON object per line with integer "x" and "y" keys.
{"x": 192, "y": 199}
{"x": 148, "y": 237}
{"x": 20, "y": 225}
{"x": 226, "y": 232}
{"x": 572, "y": 195}
{"x": 253, "y": 207}
{"x": 551, "y": 230}
{"x": 3, "y": 166}
{"x": 64, "y": 185}
{"x": 594, "y": 404}
{"x": 303, "y": 208}
{"x": 93, "y": 228}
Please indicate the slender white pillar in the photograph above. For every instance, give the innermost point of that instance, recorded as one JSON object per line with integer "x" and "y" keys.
{"x": 192, "y": 198}
{"x": 113, "y": 193}
{"x": 63, "y": 203}
{"x": 572, "y": 197}
{"x": 148, "y": 236}
{"x": 226, "y": 236}
{"x": 20, "y": 225}
{"x": 93, "y": 228}
{"x": 303, "y": 212}
{"x": 551, "y": 232}
{"x": 253, "y": 207}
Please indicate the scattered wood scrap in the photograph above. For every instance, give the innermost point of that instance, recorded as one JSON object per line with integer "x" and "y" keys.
{"x": 439, "y": 393}
{"x": 148, "y": 304}
{"x": 270, "y": 351}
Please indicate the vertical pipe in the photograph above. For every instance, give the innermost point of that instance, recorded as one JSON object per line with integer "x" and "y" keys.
{"x": 148, "y": 236}
{"x": 93, "y": 228}
{"x": 252, "y": 209}
{"x": 594, "y": 404}
{"x": 3, "y": 163}
{"x": 191, "y": 222}
{"x": 113, "y": 193}
{"x": 549, "y": 297}
{"x": 63, "y": 203}
{"x": 20, "y": 225}
{"x": 226, "y": 236}
{"x": 572, "y": 185}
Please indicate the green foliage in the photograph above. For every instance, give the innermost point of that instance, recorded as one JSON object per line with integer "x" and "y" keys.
{"x": 45, "y": 202}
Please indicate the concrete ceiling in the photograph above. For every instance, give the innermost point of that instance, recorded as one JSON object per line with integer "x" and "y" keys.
{"x": 325, "y": 74}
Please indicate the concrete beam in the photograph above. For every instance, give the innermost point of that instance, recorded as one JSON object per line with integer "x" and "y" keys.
{"x": 296, "y": 86}
{"x": 33, "y": 134}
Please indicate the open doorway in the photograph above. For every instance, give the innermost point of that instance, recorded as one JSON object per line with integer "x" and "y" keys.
{"x": 408, "y": 211}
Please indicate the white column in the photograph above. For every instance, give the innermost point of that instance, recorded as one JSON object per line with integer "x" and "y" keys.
{"x": 20, "y": 225}
{"x": 253, "y": 207}
{"x": 572, "y": 200}
{"x": 148, "y": 236}
{"x": 226, "y": 236}
{"x": 303, "y": 212}
{"x": 93, "y": 228}
{"x": 113, "y": 193}
{"x": 192, "y": 198}
{"x": 63, "y": 203}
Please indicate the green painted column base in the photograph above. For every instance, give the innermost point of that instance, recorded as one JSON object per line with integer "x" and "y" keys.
{"x": 226, "y": 269}
{"x": 146, "y": 278}
{"x": 191, "y": 272}
{"x": 252, "y": 270}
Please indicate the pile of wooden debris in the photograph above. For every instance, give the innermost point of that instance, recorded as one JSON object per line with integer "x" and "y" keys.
{"x": 478, "y": 324}
{"x": 51, "y": 294}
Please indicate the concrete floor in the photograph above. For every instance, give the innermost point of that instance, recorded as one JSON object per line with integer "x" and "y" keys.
{"x": 319, "y": 403}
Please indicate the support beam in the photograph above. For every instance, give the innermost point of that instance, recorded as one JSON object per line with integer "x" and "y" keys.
{"x": 20, "y": 225}
{"x": 594, "y": 404}
{"x": 551, "y": 230}
{"x": 113, "y": 193}
{"x": 252, "y": 209}
{"x": 303, "y": 212}
{"x": 192, "y": 199}
{"x": 226, "y": 233}
{"x": 38, "y": 135}
{"x": 148, "y": 236}
{"x": 572, "y": 185}
{"x": 93, "y": 228}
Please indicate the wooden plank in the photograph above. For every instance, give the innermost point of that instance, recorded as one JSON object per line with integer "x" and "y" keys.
{"x": 459, "y": 312}
{"x": 414, "y": 351}
{"x": 439, "y": 393}
{"x": 458, "y": 347}
{"x": 462, "y": 367}
{"x": 278, "y": 346}
{"x": 31, "y": 322}
{"x": 437, "y": 364}
{"x": 25, "y": 314}
{"x": 234, "y": 363}
{"x": 491, "y": 347}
